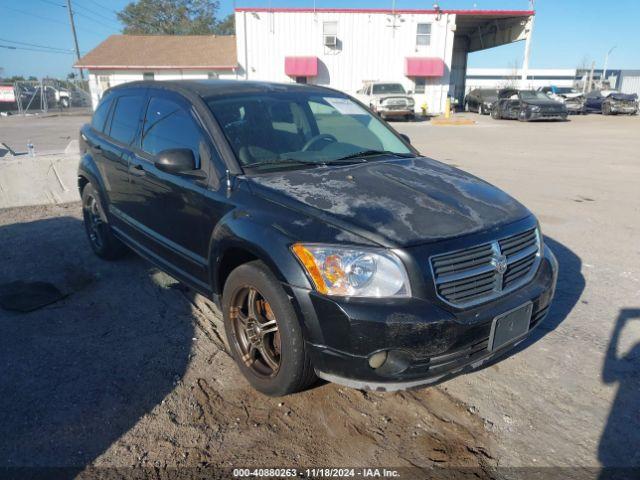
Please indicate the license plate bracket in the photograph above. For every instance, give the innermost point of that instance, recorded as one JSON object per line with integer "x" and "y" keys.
{"x": 510, "y": 326}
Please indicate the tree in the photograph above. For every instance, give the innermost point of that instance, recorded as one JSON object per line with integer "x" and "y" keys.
{"x": 169, "y": 17}
{"x": 226, "y": 26}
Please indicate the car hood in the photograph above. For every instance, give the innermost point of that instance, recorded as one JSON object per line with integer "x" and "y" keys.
{"x": 543, "y": 103}
{"x": 623, "y": 96}
{"x": 394, "y": 202}
{"x": 382, "y": 96}
{"x": 570, "y": 95}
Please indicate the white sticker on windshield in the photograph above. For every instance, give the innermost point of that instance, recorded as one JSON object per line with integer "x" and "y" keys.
{"x": 345, "y": 106}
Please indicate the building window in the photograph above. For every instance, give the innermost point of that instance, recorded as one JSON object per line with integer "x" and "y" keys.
{"x": 330, "y": 34}
{"x": 148, "y": 76}
{"x": 423, "y": 36}
{"x": 420, "y": 84}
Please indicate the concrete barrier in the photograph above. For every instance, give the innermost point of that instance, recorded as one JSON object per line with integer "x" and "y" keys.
{"x": 39, "y": 180}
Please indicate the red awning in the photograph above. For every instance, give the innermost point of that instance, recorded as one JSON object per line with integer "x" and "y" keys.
{"x": 424, "y": 67}
{"x": 301, "y": 66}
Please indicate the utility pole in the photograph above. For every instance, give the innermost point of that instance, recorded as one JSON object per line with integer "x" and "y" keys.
{"x": 75, "y": 36}
{"x": 604, "y": 71}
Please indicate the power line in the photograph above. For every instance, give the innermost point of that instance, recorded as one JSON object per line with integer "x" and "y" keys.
{"x": 61, "y": 50}
{"x": 98, "y": 21}
{"x": 13, "y": 47}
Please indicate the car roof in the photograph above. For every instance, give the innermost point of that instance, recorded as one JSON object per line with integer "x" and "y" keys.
{"x": 220, "y": 88}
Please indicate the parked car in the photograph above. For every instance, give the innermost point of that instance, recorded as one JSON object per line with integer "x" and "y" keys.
{"x": 481, "y": 100}
{"x": 388, "y": 99}
{"x": 527, "y": 105}
{"x": 572, "y": 98}
{"x": 332, "y": 247}
{"x": 611, "y": 102}
{"x": 31, "y": 95}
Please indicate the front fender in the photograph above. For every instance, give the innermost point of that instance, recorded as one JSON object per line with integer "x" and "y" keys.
{"x": 258, "y": 236}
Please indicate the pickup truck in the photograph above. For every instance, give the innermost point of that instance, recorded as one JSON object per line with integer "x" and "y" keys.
{"x": 387, "y": 99}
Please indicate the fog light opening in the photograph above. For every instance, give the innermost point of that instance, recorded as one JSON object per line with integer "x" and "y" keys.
{"x": 377, "y": 359}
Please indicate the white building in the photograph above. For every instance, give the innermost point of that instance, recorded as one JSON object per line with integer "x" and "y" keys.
{"x": 425, "y": 50}
{"x": 532, "y": 79}
{"x": 127, "y": 58}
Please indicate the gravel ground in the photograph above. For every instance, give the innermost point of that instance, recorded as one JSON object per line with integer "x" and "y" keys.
{"x": 130, "y": 368}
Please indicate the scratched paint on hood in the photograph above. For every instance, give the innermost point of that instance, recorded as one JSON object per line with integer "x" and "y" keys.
{"x": 406, "y": 201}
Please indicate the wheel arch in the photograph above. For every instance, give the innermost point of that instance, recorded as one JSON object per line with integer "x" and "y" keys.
{"x": 234, "y": 243}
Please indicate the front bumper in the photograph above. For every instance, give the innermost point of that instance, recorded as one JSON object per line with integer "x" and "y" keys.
{"x": 395, "y": 112}
{"x": 575, "y": 108}
{"x": 532, "y": 116}
{"x": 429, "y": 341}
{"x": 625, "y": 109}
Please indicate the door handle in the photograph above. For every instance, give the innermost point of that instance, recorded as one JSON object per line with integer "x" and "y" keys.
{"x": 137, "y": 169}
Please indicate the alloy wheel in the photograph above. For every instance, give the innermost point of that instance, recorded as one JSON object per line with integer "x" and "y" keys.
{"x": 94, "y": 222}
{"x": 257, "y": 335}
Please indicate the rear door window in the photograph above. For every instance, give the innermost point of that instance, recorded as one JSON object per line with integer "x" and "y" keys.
{"x": 101, "y": 113}
{"x": 126, "y": 118}
{"x": 168, "y": 125}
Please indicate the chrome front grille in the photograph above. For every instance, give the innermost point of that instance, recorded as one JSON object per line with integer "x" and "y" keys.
{"x": 477, "y": 274}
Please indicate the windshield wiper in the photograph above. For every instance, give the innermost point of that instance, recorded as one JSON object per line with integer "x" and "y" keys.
{"x": 286, "y": 161}
{"x": 371, "y": 153}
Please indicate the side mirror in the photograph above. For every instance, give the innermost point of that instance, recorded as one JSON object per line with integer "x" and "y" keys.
{"x": 176, "y": 160}
{"x": 405, "y": 138}
{"x": 410, "y": 92}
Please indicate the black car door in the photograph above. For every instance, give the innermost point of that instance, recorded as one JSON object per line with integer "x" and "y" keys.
{"x": 173, "y": 214}
{"x": 120, "y": 130}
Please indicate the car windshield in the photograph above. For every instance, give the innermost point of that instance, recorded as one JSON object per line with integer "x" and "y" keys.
{"x": 563, "y": 90}
{"x": 383, "y": 88}
{"x": 297, "y": 128}
{"x": 531, "y": 95}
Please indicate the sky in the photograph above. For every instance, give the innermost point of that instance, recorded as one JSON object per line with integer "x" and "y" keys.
{"x": 567, "y": 33}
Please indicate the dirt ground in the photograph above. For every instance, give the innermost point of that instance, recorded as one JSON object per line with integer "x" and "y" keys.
{"x": 130, "y": 369}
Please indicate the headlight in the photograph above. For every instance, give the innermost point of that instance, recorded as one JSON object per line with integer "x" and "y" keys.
{"x": 412, "y": 102}
{"x": 534, "y": 108}
{"x": 353, "y": 272}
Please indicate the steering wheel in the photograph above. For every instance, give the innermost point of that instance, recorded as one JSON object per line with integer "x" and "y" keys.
{"x": 326, "y": 137}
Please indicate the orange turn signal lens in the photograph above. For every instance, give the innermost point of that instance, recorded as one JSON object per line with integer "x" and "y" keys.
{"x": 308, "y": 262}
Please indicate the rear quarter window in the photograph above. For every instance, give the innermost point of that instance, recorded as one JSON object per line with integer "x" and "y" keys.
{"x": 126, "y": 118}
{"x": 101, "y": 113}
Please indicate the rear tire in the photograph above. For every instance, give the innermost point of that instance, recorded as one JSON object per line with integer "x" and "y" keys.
{"x": 264, "y": 333}
{"x": 606, "y": 109}
{"x": 101, "y": 238}
{"x": 495, "y": 114}
{"x": 481, "y": 110}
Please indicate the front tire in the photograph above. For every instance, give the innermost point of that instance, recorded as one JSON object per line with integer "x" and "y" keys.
{"x": 101, "y": 238}
{"x": 264, "y": 333}
{"x": 606, "y": 109}
{"x": 481, "y": 109}
{"x": 495, "y": 114}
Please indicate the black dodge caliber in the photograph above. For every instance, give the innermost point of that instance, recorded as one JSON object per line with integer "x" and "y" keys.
{"x": 333, "y": 248}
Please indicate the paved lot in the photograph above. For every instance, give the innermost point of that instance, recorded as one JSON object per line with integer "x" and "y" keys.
{"x": 572, "y": 396}
{"x": 50, "y": 133}
{"x": 129, "y": 368}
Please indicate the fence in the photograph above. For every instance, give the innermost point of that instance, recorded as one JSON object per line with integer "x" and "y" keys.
{"x": 43, "y": 96}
